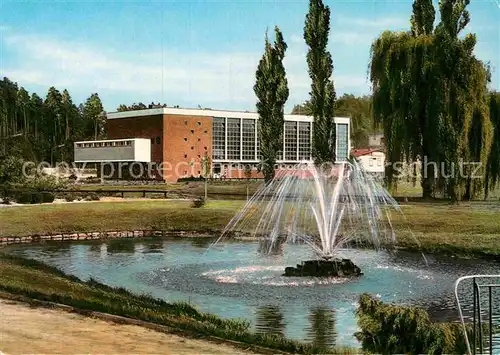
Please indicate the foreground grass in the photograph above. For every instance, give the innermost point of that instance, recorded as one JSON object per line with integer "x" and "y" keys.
{"x": 39, "y": 281}
{"x": 472, "y": 228}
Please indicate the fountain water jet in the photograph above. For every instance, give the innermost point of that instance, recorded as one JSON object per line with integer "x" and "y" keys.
{"x": 327, "y": 209}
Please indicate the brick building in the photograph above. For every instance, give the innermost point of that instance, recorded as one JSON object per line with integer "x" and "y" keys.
{"x": 197, "y": 142}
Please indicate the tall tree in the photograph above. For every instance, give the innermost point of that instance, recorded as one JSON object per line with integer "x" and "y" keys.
{"x": 429, "y": 93}
{"x": 94, "y": 115}
{"x": 493, "y": 166}
{"x": 271, "y": 89}
{"x": 319, "y": 61}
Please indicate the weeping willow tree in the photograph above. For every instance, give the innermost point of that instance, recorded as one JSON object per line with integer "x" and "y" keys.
{"x": 430, "y": 95}
{"x": 493, "y": 167}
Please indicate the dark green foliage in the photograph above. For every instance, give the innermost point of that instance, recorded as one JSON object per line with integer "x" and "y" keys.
{"x": 320, "y": 64}
{"x": 493, "y": 167}
{"x": 92, "y": 197}
{"x": 191, "y": 178}
{"x": 199, "y": 202}
{"x": 44, "y": 130}
{"x": 140, "y": 106}
{"x": 271, "y": 89}
{"x": 422, "y": 19}
{"x": 391, "y": 329}
{"x": 47, "y": 197}
{"x": 430, "y": 95}
{"x": 32, "y": 197}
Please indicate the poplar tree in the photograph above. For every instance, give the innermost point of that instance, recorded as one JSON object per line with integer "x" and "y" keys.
{"x": 320, "y": 64}
{"x": 271, "y": 89}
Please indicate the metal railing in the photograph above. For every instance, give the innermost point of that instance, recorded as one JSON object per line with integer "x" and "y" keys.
{"x": 478, "y": 341}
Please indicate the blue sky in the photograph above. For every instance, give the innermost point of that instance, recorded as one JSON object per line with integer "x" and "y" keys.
{"x": 192, "y": 53}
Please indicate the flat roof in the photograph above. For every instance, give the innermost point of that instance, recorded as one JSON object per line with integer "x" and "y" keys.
{"x": 114, "y": 140}
{"x": 209, "y": 113}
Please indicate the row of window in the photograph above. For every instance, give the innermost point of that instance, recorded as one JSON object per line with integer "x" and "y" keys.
{"x": 239, "y": 141}
{"x": 104, "y": 144}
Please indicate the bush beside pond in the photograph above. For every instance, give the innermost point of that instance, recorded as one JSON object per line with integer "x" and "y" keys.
{"x": 392, "y": 329}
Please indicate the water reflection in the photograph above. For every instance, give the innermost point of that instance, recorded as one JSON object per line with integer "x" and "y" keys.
{"x": 154, "y": 248}
{"x": 269, "y": 320}
{"x": 321, "y": 330}
{"x": 121, "y": 246}
{"x": 201, "y": 242}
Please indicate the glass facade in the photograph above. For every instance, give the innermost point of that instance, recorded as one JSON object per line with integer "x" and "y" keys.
{"x": 342, "y": 142}
{"x": 248, "y": 139}
{"x": 235, "y": 139}
{"x": 219, "y": 138}
{"x": 290, "y": 141}
{"x": 304, "y": 140}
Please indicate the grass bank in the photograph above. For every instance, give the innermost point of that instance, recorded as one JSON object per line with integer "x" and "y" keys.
{"x": 472, "y": 228}
{"x": 38, "y": 281}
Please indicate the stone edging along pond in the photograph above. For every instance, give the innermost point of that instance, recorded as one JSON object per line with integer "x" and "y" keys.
{"x": 79, "y": 236}
{"x": 110, "y": 235}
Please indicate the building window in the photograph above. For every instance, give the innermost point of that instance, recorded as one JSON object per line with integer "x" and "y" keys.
{"x": 233, "y": 139}
{"x": 192, "y": 148}
{"x": 219, "y": 138}
{"x": 185, "y": 139}
{"x": 185, "y": 155}
{"x": 198, "y": 123}
{"x": 199, "y": 139}
{"x": 258, "y": 141}
{"x": 290, "y": 140}
{"x": 304, "y": 140}
{"x": 205, "y": 131}
{"x": 186, "y": 123}
{"x": 342, "y": 142}
{"x": 379, "y": 161}
{"x": 192, "y": 131}
{"x": 371, "y": 161}
{"x": 248, "y": 139}
{"x": 158, "y": 140}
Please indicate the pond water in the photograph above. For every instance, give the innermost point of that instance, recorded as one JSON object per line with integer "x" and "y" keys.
{"x": 232, "y": 279}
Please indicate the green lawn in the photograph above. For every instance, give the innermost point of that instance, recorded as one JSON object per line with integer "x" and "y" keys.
{"x": 466, "y": 228}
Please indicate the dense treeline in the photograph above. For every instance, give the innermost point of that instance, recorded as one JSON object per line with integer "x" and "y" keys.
{"x": 430, "y": 95}
{"x": 37, "y": 129}
{"x": 140, "y": 106}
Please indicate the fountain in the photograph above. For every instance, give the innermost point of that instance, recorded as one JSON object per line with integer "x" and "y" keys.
{"x": 326, "y": 209}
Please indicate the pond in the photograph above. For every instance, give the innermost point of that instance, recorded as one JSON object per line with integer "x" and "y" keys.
{"x": 232, "y": 279}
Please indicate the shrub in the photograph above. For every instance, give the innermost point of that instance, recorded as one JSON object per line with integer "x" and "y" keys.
{"x": 191, "y": 178}
{"x": 47, "y": 197}
{"x": 24, "y": 197}
{"x": 6, "y": 201}
{"x": 391, "y": 329}
{"x": 199, "y": 202}
{"x": 92, "y": 197}
{"x": 70, "y": 197}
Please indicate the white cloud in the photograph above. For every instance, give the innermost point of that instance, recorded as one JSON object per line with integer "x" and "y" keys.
{"x": 216, "y": 79}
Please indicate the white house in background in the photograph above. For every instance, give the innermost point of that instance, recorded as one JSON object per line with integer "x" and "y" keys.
{"x": 372, "y": 160}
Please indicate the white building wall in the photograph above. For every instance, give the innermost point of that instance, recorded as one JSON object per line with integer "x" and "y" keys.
{"x": 117, "y": 150}
{"x": 373, "y": 163}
